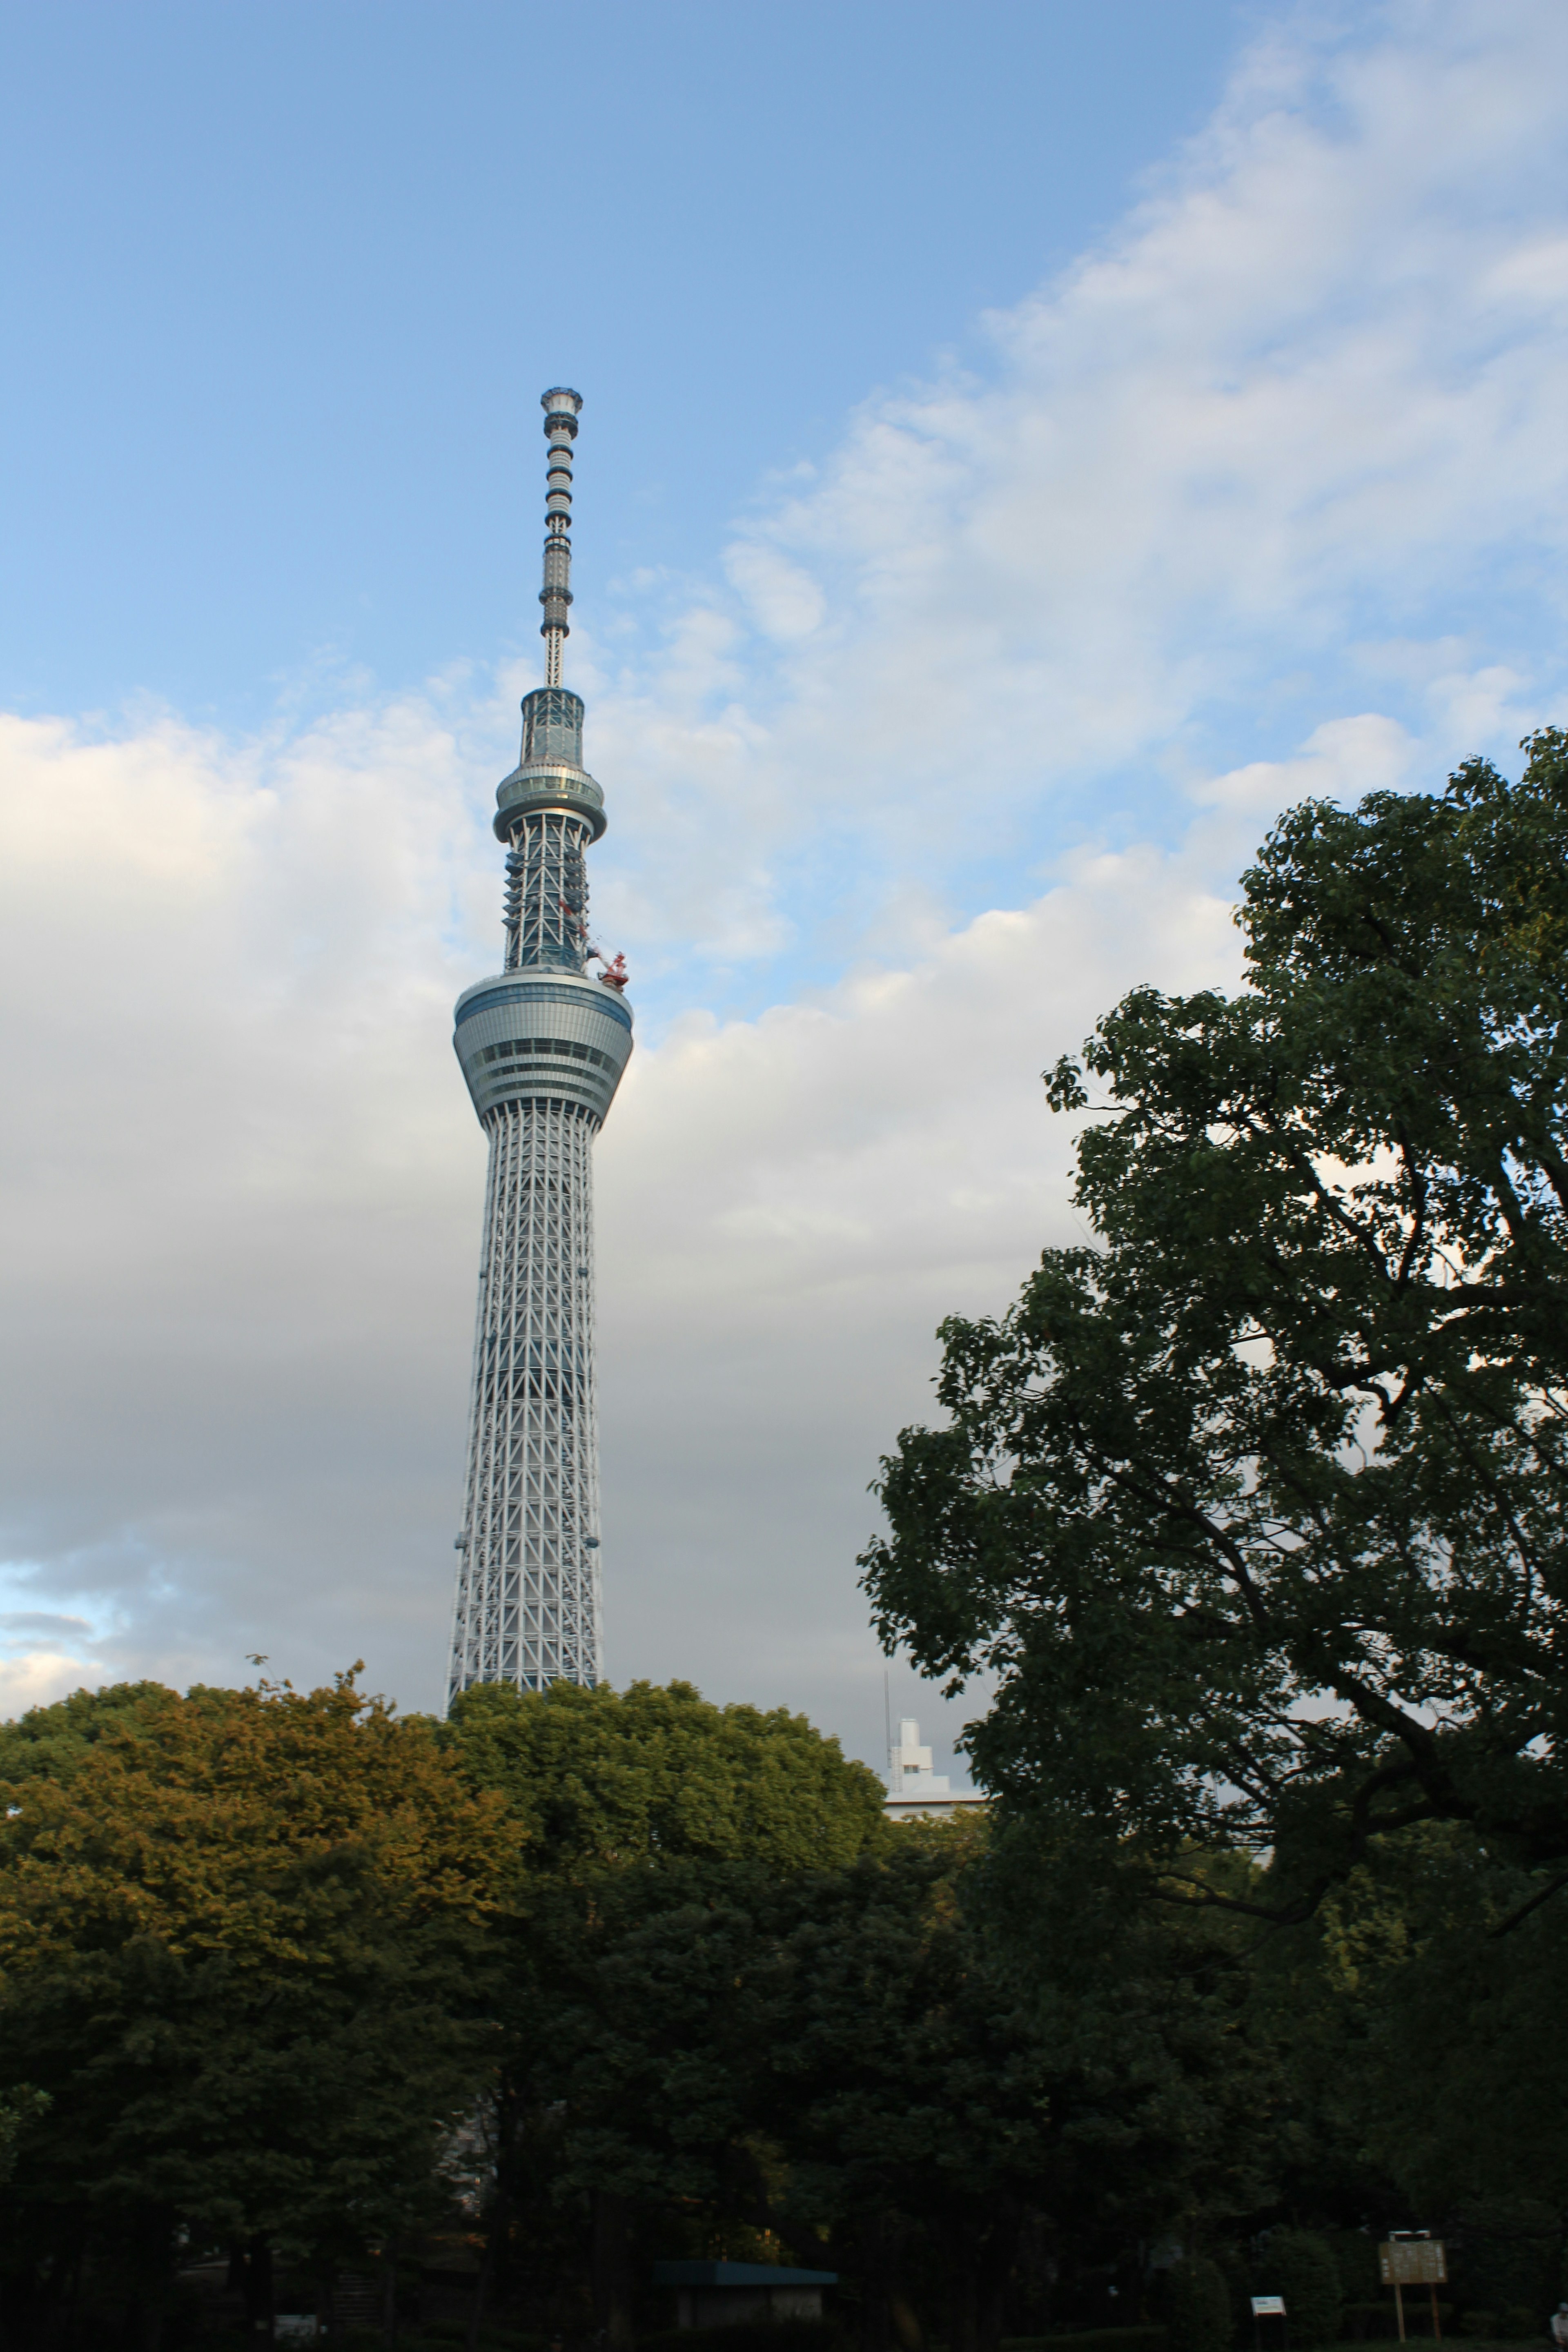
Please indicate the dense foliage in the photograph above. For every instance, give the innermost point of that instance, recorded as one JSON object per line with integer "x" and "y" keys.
{"x": 238, "y": 1933}
{"x": 1257, "y": 1505}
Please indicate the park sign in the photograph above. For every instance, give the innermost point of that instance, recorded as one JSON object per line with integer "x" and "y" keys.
{"x": 1269, "y": 2306}
{"x": 1413, "y": 2262}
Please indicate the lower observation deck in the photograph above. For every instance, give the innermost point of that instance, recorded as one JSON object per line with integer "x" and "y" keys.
{"x": 544, "y": 1034}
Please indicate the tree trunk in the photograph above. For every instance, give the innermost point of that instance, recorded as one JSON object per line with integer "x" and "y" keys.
{"x": 908, "y": 2332}
{"x": 506, "y": 2126}
{"x": 882, "y": 2243}
{"x": 613, "y": 2270}
{"x": 494, "y": 2232}
{"x": 389, "y": 2291}
{"x": 153, "y": 2268}
{"x": 982, "y": 2266}
{"x": 259, "y": 2314}
{"x": 991, "y": 2290}
{"x": 73, "y": 2298}
{"x": 963, "y": 2298}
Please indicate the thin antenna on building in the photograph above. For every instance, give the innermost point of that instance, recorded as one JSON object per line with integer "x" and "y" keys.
{"x": 562, "y": 409}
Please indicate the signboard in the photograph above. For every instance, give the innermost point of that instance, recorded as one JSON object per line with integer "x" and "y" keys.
{"x": 1269, "y": 2306}
{"x": 1413, "y": 2262}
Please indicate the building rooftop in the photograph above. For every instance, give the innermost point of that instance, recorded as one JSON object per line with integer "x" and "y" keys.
{"x": 914, "y": 1791}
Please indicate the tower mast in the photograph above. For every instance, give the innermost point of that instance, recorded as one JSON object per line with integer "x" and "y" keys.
{"x": 541, "y": 1044}
{"x": 561, "y": 410}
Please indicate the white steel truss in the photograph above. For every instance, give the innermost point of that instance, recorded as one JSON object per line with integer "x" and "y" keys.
{"x": 528, "y": 1609}
{"x": 547, "y": 892}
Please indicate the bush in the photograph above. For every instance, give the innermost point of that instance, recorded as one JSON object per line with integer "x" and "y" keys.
{"x": 1503, "y": 2257}
{"x": 1484, "y": 2324}
{"x": 1355, "y": 2258}
{"x": 1198, "y": 2306}
{"x": 1300, "y": 2266}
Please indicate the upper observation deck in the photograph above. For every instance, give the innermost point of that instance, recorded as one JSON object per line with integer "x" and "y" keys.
{"x": 550, "y": 774}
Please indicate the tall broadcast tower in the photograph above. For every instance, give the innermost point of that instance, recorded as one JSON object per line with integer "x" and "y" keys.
{"x": 542, "y": 1046}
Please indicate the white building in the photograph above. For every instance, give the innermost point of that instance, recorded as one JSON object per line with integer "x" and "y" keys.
{"x": 915, "y": 1793}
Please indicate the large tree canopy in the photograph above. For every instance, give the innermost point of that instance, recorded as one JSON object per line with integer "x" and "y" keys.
{"x": 601, "y": 1780}
{"x": 239, "y": 1935}
{"x": 652, "y": 1824}
{"x": 1256, "y": 1505}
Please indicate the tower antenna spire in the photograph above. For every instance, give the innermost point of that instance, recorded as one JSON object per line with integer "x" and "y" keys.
{"x": 562, "y": 409}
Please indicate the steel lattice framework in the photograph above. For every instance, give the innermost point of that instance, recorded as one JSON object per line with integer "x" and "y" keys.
{"x": 547, "y": 892}
{"x": 542, "y": 1046}
{"x": 528, "y": 1590}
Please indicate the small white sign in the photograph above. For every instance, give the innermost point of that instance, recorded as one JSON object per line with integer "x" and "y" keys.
{"x": 1269, "y": 2306}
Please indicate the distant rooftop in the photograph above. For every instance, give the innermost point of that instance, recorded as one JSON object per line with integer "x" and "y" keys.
{"x": 914, "y": 1791}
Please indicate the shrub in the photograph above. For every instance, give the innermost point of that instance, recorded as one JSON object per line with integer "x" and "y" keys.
{"x": 1504, "y": 2258}
{"x": 1198, "y": 2306}
{"x": 1355, "y": 2258}
{"x": 1484, "y": 2324}
{"x": 1300, "y": 2266}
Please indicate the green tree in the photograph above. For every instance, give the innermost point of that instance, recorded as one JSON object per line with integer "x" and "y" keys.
{"x": 1198, "y": 2306}
{"x": 603, "y": 1780}
{"x": 935, "y": 2101}
{"x": 1428, "y": 2010}
{"x": 1299, "y": 2266}
{"x": 651, "y": 1825}
{"x": 1257, "y": 1507}
{"x": 19, "y": 2108}
{"x": 847, "y": 2064}
{"x": 239, "y": 1932}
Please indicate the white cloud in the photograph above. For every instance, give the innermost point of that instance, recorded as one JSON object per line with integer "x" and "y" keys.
{"x": 43, "y": 1656}
{"x": 1306, "y": 398}
{"x": 785, "y": 602}
{"x": 1339, "y": 761}
{"x": 1262, "y": 498}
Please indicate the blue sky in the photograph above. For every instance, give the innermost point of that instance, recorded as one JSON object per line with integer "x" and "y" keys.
{"x": 1023, "y": 452}
{"x": 285, "y": 278}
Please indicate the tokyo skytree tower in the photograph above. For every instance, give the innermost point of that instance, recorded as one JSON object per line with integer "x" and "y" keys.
{"x": 542, "y": 1047}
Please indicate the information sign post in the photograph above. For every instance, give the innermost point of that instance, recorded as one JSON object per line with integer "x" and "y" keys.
{"x": 1409, "y": 2260}
{"x": 1269, "y": 2306}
